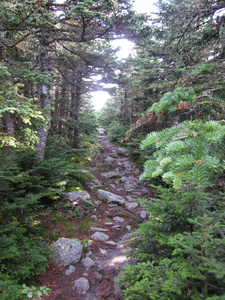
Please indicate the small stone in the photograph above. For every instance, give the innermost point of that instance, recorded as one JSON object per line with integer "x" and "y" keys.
{"x": 98, "y": 229}
{"x": 117, "y": 227}
{"x": 117, "y": 286}
{"x": 118, "y": 219}
{"x": 113, "y": 174}
{"x": 143, "y": 214}
{"x": 109, "y": 160}
{"x": 81, "y": 285}
{"x": 132, "y": 205}
{"x": 112, "y": 243}
{"x": 103, "y": 251}
{"x": 109, "y": 223}
{"x": 101, "y": 130}
{"x": 88, "y": 262}
{"x": 69, "y": 270}
{"x": 123, "y": 152}
{"x": 99, "y": 236}
{"x": 98, "y": 276}
{"x": 128, "y": 227}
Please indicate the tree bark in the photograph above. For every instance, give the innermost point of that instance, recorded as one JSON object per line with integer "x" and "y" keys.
{"x": 45, "y": 100}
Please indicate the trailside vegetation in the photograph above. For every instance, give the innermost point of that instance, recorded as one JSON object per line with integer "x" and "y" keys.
{"x": 179, "y": 94}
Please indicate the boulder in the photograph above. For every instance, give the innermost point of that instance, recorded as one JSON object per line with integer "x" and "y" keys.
{"x": 65, "y": 252}
{"x": 82, "y": 285}
{"x": 78, "y": 197}
{"x": 69, "y": 270}
{"x": 88, "y": 262}
{"x": 110, "y": 197}
{"x": 99, "y": 236}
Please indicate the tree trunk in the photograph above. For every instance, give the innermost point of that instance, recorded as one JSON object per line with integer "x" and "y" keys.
{"x": 75, "y": 106}
{"x": 9, "y": 126}
{"x": 45, "y": 104}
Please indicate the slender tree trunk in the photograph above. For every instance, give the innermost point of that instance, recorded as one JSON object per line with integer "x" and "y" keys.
{"x": 9, "y": 126}
{"x": 45, "y": 104}
{"x": 75, "y": 106}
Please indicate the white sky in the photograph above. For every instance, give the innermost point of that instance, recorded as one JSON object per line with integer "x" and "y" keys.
{"x": 99, "y": 98}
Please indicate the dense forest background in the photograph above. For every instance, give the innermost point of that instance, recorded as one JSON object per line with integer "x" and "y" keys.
{"x": 166, "y": 105}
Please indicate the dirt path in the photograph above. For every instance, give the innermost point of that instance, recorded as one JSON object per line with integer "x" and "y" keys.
{"x": 114, "y": 172}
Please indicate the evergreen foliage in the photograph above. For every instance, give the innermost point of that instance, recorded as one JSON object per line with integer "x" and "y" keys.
{"x": 187, "y": 154}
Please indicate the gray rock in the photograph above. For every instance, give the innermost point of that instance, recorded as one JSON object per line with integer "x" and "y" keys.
{"x": 117, "y": 286}
{"x": 118, "y": 219}
{"x": 82, "y": 285}
{"x": 99, "y": 236}
{"x": 143, "y": 214}
{"x": 78, "y": 197}
{"x": 65, "y": 252}
{"x": 110, "y": 197}
{"x": 98, "y": 229}
{"x": 123, "y": 152}
{"x": 95, "y": 183}
{"x": 110, "y": 160}
{"x": 103, "y": 251}
{"x": 101, "y": 131}
{"x": 94, "y": 217}
{"x": 109, "y": 223}
{"x": 129, "y": 187}
{"x": 91, "y": 297}
{"x": 113, "y": 174}
{"x": 117, "y": 227}
{"x": 69, "y": 270}
{"x": 98, "y": 276}
{"x": 88, "y": 262}
{"x": 111, "y": 243}
{"x": 128, "y": 227}
{"x": 131, "y": 205}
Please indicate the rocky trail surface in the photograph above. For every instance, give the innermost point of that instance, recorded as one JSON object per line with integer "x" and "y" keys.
{"x": 91, "y": 274}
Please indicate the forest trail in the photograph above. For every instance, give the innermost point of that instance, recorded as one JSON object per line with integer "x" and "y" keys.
{"x": 94, "y": 277}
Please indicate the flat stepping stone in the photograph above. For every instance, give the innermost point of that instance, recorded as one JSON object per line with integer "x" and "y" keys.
{"x": 77, "y": 197}
{"x": 112, "y": 175}
{"x": 112, "y": 243}
{"x": 131, "y": 205}
{"x": 99, "y": 236}
{"x": 88, "y": 262}
{"x": 82, "y": 285}
{"x": 110, "y": 197}
{"x": 118, "y": 219}
{"x": 98, "y": 229}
